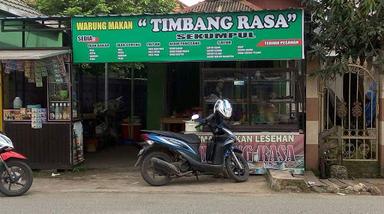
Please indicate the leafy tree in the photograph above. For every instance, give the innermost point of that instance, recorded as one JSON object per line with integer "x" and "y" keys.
{"x": 92, "y": 7}
{"x": 346, "y": 28}
{"x": 72, "y": 7}
{"x": 142, "y": 6}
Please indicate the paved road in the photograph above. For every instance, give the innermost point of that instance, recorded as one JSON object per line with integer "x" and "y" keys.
{"x": 125, "y": 192}
{"x": 78, "y": 202}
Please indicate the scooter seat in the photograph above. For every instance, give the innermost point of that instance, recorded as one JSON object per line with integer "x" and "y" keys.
{"x": 188, "y": 138}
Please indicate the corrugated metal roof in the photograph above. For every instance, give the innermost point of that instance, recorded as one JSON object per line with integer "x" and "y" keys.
{"x": 34, "y": 18}
{"x": 30, "y": 54}
{"x": 18, "y": 8}
{"x": 209, "y": 6}
{"x": 179, "y": 6}
{"x": 277, "y": 4}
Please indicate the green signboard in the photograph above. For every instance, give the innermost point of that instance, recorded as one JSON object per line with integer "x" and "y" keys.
{"x": 257, "y": 35}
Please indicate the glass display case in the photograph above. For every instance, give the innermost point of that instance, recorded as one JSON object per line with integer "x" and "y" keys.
{"x": 63, "y": 90}
{"x": 230, "y": 84}
{"x": 59, "y": 96}
{"x": 272, "y": 98}
{"x": 262, "y": 99}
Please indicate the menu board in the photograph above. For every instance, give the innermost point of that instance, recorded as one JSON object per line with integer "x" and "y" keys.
{"x": 256, "y": 35}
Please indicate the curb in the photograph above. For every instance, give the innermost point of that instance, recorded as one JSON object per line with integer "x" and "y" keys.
{"x": 280, "y": 180}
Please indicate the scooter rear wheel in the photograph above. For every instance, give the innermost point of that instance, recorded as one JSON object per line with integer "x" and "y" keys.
{"x": 19, "y": 181}
{"x": 234, "y": 172}
{"x": 150, "y": 174}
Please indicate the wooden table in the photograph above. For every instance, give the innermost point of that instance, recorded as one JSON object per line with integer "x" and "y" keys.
{"x": 166, "y": 122}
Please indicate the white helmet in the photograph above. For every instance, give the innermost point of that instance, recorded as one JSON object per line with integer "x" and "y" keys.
{"x": 223, "y": 107}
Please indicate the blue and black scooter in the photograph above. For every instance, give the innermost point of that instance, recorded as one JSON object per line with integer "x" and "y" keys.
{"x": 167, "y": 155}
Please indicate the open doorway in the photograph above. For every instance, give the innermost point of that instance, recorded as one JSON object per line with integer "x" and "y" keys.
{"x": 164, "y": 96}
{"x": 109, "y": 128}
{"x": 183, "y": 95}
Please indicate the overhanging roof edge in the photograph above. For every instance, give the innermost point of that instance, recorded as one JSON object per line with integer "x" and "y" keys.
{"x": 30, "y": 54}
{"x": 134, "y": 14}
{"x": 176, "y": 13}
{"x": 34, "y": 17}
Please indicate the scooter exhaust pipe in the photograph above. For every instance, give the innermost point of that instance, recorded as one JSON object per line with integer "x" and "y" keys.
{"x": 165, "y": 167}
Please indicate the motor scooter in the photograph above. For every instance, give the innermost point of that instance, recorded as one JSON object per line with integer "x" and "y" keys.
{"x": 15, "y": 175}
{"x": 168, "y": 155}
{"x": 108, "y": 119}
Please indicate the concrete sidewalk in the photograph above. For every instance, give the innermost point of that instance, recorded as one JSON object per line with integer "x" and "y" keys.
{"x": 111, "y": 170}
{"x": 129, "y": 180}
{"x": 126, "y": 180}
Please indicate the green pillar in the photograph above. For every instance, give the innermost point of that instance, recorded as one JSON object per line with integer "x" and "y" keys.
{"x": 157, "y": 74}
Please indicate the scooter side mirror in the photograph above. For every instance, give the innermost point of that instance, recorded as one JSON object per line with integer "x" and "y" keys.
{"x": 195, "y": 117}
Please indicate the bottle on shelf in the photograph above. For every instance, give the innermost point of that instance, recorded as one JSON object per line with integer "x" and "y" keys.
{"x": 17, "y": 103}
{"x": 66, "y": 111}
{"x": 61, "y": 111}
{"x": 52, "y": 112}
{"x": 57, "y": 111}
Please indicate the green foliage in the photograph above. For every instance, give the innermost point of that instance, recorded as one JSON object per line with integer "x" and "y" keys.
{"x": 142, "y": 6}
{"x": 79, "y": 168}
{"x": 122, "y": 70}
{"x": 92, "y": 7}
{"x": 73, "y": 7}
{"x": 346, "y": 28}
{"x": 125, "y": 69}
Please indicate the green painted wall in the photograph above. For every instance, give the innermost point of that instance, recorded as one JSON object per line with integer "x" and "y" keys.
{"x": 10, "y": 40}
{"x": 44, "y": 39}
{"x": 157, "y": 75}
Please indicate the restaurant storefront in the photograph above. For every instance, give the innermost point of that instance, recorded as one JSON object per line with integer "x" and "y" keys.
{"x": 254, "y": 59}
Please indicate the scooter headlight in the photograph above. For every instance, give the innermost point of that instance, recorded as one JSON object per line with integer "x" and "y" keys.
{"x": 149, "y": 142}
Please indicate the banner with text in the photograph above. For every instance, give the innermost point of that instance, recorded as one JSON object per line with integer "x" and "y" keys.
{"x": 273, "y": 150}
{"x": 257, "y": 35}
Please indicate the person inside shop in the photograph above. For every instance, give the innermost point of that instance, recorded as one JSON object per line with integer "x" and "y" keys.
{"x": 219, "y": 90}
{"x": 370, "y": 105}
{"x": 216, "y": 92}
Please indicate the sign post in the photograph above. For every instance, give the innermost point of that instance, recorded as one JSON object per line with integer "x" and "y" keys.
{"x": 106, "y": 94}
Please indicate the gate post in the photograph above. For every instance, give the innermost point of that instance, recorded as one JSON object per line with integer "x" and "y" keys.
{"x": 312, "y": 118}
{"x": 381, "y": 125}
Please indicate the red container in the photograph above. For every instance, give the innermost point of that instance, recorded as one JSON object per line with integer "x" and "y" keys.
{"x": 131, "y": 131}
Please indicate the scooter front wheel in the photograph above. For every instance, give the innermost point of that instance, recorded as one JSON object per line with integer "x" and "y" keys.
{"x": 17, "y": 180}
{"x": 150, "y": 174}
{"x": 234, "y": 171}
